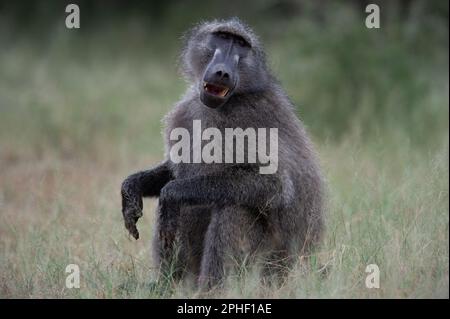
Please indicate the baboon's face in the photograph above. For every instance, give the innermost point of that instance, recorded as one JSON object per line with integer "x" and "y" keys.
{"x": 221, "y": 75}
{"x": 223, "y": 62}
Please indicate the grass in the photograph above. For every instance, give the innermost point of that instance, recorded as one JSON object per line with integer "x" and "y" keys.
{"x": 75, "y": 122}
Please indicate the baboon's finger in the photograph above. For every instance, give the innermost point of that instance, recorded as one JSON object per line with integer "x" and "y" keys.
{"x": 130, "y": 225}
{"x": 131, "y": 216}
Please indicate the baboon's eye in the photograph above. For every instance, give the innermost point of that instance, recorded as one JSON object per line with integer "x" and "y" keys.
{"x": 236, "y": 38}
{"x": 242, "y": 42}
{"x": 223, "y": 35}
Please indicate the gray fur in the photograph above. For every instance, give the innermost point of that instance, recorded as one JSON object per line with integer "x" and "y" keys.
{"x": 216, "y": 213}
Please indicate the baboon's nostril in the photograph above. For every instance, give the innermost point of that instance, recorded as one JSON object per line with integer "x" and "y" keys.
{"x": 221, "y": 74}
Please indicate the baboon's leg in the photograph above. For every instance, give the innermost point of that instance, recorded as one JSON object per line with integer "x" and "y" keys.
{"x": 166, "y": 252}
{"x": 233, "y": 234}
{"x": 194, "y": 222}
{"x": 181, "y": 253}
{"x": 296, "y": 240}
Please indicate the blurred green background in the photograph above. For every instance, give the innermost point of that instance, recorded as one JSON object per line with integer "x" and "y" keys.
{"x": 81, "y": 109}
{"x": 71, "y": 89}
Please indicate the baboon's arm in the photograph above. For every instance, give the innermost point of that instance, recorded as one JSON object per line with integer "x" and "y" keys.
{"x": 142, "y": 184}
{"x": 148, "y": 183}
{"x": 236, "y": 187}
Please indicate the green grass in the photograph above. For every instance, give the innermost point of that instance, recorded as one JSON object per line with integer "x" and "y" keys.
{"x": 82, "y": 111}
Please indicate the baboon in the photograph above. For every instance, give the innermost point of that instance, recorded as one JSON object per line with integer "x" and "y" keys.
{"x": 218, "y": 213}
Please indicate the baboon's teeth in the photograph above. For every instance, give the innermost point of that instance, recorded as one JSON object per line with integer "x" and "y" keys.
{"x": 223, "y": 93}
{"x": 216, "y": 90}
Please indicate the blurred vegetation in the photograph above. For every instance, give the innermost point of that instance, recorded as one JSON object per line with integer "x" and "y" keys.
{"x": 67, "y": 87}
{"x": 81, "y": 109}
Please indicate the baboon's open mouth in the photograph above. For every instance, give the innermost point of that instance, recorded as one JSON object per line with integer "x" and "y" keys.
{"x": 216, "y": 90}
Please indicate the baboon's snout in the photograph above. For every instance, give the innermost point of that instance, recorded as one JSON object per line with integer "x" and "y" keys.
{"x": 219, "y": 80}
{"x": 220, "y": 74}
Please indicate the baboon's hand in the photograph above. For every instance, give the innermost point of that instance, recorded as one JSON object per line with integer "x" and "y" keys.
{"x": 131, "y": 210}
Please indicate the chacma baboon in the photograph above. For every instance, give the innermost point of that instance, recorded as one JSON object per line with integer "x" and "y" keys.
{"x": 219, "y": 212}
